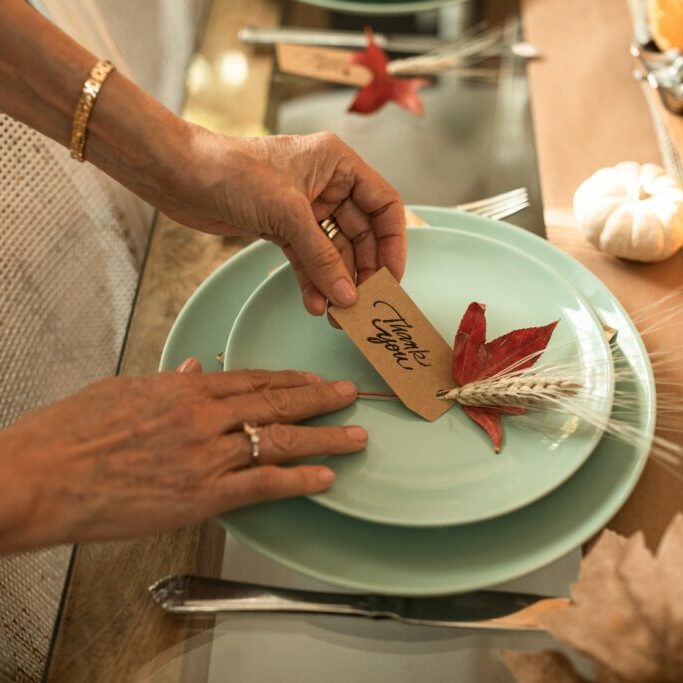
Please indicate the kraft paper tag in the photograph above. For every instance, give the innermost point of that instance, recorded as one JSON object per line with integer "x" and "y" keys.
{"x": 399, "y": 341}
{"x": 323, "y": 63}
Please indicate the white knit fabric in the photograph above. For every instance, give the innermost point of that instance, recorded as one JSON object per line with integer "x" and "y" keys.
{"x": 73, "y": 242}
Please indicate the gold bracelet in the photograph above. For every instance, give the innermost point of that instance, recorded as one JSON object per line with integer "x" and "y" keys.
{"x": 86, "y": 102}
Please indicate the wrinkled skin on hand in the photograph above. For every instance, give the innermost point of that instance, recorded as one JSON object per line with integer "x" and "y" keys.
{"x": 133, "y": 455}
{"x": 277, "y": 188}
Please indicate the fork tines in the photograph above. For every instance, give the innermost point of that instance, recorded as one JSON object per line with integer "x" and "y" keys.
{"x": 498, "y": 206}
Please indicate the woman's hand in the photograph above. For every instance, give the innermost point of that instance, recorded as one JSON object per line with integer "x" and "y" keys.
{"x": 278, "y": 188}
{"x": 272, "y": 187}
{"x": 134, "y": 455}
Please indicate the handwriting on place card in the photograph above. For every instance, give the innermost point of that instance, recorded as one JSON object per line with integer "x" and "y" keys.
{"x": 400, "y": 343}
{"x": 323, "y": 63}
{"x": 394, "y": 333}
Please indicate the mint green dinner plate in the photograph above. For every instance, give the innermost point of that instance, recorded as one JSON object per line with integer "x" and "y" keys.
{"x": 381, "y": 6}
{"x": 365, "y": 556}
{"x": 420, "y": 473}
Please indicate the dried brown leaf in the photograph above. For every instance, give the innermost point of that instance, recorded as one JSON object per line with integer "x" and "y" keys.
{"x": 628, "y": 608}
{"x": 541, "y": 667}
{"x": 604, "y": 675}
{"x": 670, "y": 561}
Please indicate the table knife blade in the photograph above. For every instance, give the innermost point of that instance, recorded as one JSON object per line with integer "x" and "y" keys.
{"x": 488, "y": 609}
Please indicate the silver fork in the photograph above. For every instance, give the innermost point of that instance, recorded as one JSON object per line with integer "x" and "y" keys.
{"x": 496, "y": 207}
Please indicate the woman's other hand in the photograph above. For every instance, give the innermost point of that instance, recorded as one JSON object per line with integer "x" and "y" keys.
{"x": 134, "y": 455}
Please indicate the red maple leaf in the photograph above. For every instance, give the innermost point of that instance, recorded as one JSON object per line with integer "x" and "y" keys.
{"x": 474, "y": 358}
{"x": 384, "y": 88}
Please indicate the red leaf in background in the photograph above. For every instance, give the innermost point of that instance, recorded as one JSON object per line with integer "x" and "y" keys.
{"x": 474, "y": 358}
{"x": 373, "y": 57}
{"x": 384, "y": 88}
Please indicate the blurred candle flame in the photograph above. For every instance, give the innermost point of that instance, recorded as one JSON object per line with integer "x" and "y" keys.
{"x": 232, "y": 68}
{"x": 199, "y": 75}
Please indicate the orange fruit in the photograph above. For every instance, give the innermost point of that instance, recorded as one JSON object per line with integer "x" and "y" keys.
{"x": 666, "y": 23}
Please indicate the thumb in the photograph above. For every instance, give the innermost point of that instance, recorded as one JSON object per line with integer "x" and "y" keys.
{"x": 321, "y": 260}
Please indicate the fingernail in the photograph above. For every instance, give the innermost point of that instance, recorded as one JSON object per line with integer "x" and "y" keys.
{"x": 325, "y": 476}
{"x": 312, "y": 378}
{"x": 343, "y": 292}
{"x": 357, "y": 434}
{"x": 345, "y": 388}
{"x": 316, "y": 304}
{"x": 187, "y": 365}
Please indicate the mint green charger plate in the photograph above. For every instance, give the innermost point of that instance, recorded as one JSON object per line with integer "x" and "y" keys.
{"x": 381, "y": 6}
{"x": 365, "y": 556}
{"x": 420, "y": 473}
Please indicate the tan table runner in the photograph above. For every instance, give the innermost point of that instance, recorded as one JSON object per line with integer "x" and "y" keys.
{"x": 673, "y": 124}
{"x": 589, "y": 112}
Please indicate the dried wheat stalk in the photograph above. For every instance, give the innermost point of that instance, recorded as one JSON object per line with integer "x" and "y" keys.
{"x": 523, "y": 391}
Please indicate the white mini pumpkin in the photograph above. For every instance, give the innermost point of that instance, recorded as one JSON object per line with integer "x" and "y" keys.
{"x": 631, "y": 210}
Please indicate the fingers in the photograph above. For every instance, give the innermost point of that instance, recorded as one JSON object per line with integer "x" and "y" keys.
{"x": 377, "y": 199}
{"x": 269, "y": 482}
{"x": 346, "y": 251}
{"x": 287, "y": 405}
{"x": 282, "y": 443}
{"x": 314, "y": 302}
{"x": 236, "y": 382}
{"x": 323, "y": 262}
{"x": 357, "y": 226}
{"x": 362, "y": 200}
{"x": 343, "y": 246}
{"x": 225, "y": 400}
{"x": 190, "y": 366}
{"x": 374, "y": 198}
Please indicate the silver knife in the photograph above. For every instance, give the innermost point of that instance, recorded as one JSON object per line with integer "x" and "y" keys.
{"x": 254, "y": 35}
{"x": 193, "y": 595}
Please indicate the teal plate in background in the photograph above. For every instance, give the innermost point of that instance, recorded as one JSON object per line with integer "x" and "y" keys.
{"x": 364, "y": 556}
{"x": 420, "y": 473}
{"x": 381, "y": 6}
{"x": 222, "y": 295}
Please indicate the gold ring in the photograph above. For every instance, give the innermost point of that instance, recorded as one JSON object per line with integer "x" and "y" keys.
{"x": 329, "y": 227}
{"x": 254, "y": 434}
